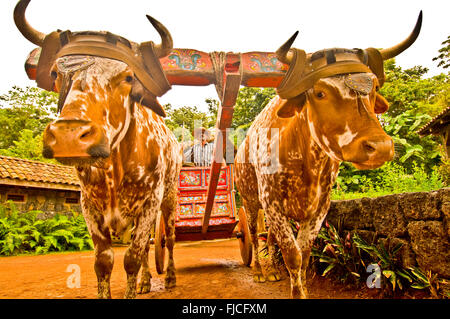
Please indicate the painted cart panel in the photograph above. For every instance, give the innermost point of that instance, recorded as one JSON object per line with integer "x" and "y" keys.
{"x": 192, "y": 194}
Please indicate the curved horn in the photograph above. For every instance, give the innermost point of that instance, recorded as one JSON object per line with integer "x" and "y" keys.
{"x": 27, "y": 31}
{"x": 283, "y": 53}
{"x": 389, "y": 53}
{"x": 163, "y": 49}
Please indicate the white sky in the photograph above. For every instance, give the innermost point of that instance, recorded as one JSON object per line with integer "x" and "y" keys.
{"x": 233, "y": 25}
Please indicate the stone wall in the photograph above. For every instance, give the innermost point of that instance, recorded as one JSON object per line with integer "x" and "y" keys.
{"x": 420, "y": 221}
{"x": 50, "y": 201}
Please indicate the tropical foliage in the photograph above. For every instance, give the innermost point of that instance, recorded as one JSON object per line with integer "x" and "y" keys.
{"x": 24, "y": 114}
{"x": 24, "y": 233}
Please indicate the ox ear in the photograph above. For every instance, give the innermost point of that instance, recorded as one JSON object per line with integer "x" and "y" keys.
{"x": 381, "y": 104}
{"x": 292, "y": 106}
{"x": 143, "y": 96}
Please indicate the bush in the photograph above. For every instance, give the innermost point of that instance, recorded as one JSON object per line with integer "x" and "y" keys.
{"x": 23, "y": 233}
{"x": 391, "y": 178}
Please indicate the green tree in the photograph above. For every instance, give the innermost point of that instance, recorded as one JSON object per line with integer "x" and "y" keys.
{"x": 444, "y": 54}
{"x": 27, "y": 146}
{"x": 30, "y": 108}
{"x": 249, "y": 104}
{"x": 187, "y": 116}
{"x": 413, "y": 100}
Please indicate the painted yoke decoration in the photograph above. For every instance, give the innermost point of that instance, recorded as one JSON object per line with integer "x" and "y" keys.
{"x": 195, "y": 68}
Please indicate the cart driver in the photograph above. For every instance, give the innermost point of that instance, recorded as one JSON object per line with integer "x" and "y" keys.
{"x": 199, "y": 154}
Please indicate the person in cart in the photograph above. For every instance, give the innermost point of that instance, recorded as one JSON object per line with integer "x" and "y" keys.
{"x": 200, "y": 154}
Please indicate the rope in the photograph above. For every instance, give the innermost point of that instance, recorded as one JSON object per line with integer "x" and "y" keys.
{"x": 218, "y": 62}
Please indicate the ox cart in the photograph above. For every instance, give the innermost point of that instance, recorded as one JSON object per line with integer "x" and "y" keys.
{"x": 190, "y": 213}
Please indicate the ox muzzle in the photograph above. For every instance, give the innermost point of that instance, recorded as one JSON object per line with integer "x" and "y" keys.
{"x": 369, "y": 152}
{"x": 70, "y": 139}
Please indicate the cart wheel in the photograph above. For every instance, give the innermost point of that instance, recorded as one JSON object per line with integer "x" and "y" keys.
{"x": 243, "y": 234}
{"x": 160, "y": 244}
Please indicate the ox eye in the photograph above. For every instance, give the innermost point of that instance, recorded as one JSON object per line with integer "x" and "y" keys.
{"x": 320, "y": 95}
{"x": 129, "y": 79}
{"x": 54, "y": 75}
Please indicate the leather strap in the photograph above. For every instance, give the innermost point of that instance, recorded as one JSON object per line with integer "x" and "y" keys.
{"x": 145, "y": 64}
{"x": 288, "y": 85}
{"x": 98, "y": 46}
{"x": 305, "y": 70}
{"x": 50, "y": 47}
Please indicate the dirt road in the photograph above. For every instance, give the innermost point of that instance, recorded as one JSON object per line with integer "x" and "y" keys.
{"x": 207, "y": 269}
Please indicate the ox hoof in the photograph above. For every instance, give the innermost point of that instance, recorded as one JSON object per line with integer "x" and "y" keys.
{"x": 130, "y": 294}
{"x": 144, "y": 287}
{"x": 170, "y": 282}
{"x": 299, "y": 293}
{"x": 259, "y": 278}
{"x": 273, "y": 277}
{"x": 104, "y": 291}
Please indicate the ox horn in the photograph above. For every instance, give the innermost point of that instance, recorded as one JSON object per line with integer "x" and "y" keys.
{"x": 283, "y": 53}
{"x": 163, "y": 49}
{"x": 24, "y": 27}
{"x": 389, "y": 53}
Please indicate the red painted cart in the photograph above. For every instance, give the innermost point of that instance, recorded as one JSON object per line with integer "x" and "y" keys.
{"x": 192, "y": 198}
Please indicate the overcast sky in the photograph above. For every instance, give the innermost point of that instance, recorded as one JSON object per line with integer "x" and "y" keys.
{"x": 233, "y": 25}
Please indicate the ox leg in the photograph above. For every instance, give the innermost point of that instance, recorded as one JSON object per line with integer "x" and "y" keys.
{"x": 289, "y": 249}
{"x": 135, "y": 253}
{"x": 306, "y": 235}
{"x": 104, "y": 255}
{"x": 145, "y": 284}
{"x": 272, "y": 273}
{"x": 104, "y": 261}
{"x": 168, "y": 209}
{"x": 252, "y": 216}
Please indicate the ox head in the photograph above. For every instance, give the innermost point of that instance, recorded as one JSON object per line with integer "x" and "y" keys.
{"x": 100, "y": 78}
{"x": 338, "y": 91}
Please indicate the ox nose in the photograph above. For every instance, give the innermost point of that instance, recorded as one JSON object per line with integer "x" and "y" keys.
{"x": 377, "y": 149}
{"x": 74, "y": 139}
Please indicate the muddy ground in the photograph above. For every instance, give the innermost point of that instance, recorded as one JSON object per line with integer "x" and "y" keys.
{"x": 206, "y": 269}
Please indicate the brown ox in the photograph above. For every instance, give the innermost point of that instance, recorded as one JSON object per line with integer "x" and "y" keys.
{"x": 290, "y": 157}
{"x": 127, "y": 160}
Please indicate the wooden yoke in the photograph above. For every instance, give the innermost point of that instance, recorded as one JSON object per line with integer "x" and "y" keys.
{"x": 195, "y": 68}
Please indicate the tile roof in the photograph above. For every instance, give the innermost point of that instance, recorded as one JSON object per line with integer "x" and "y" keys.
{"x": 436, "y": 124}
{"x": 33, "y": 171}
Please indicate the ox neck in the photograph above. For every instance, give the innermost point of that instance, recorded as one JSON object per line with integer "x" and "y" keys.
{"x": 301, "y": 140}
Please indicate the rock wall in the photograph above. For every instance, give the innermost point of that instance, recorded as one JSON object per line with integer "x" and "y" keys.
{"x": 420, "y": 221}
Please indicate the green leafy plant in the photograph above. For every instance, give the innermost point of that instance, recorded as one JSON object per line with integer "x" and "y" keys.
{"x": 24, "y": 233}
{"x": 436, "y": 286}
{"x": 334, "y": 249}
{"x": 386, "y": 259}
